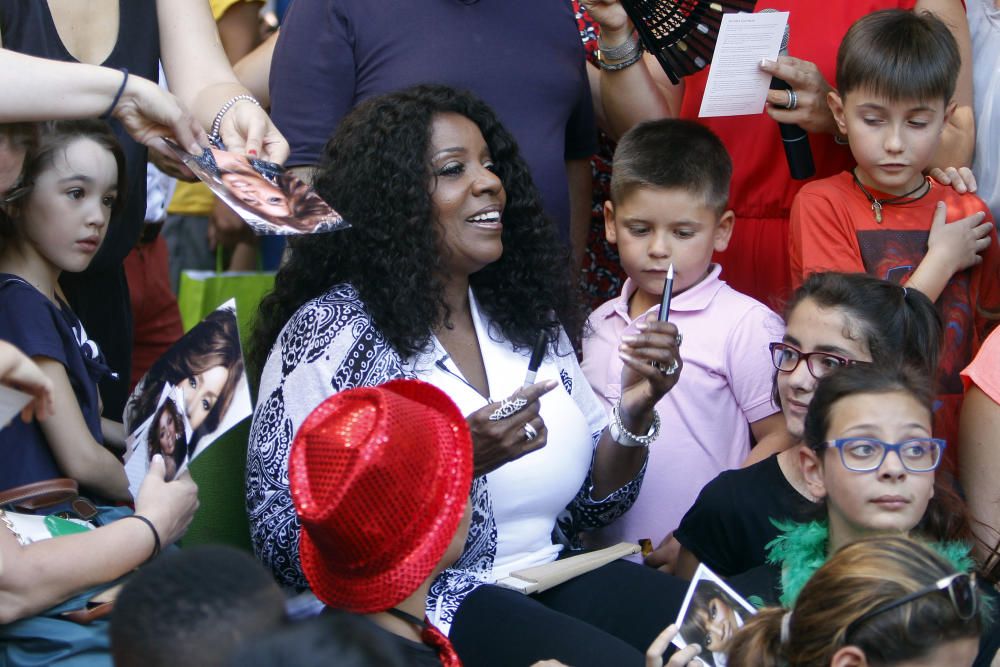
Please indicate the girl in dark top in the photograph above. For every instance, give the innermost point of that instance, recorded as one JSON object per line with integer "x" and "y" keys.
{"x": 833, "y": 320}
{"x": 53, "y": 220}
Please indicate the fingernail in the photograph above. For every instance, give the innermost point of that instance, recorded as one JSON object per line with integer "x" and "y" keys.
{"x": 629, "y": 339}
{"x": 940, "y": 204}
{"x": 252, "y": 152}
{"x": 764, "y": 62}
{"x": 642, "y": 325}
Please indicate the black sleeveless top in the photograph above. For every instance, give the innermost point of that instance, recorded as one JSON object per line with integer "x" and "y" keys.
{"x": 99, "y": 295}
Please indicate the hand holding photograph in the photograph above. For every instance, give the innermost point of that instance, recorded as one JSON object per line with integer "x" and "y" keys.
{"x": 269, "y": 198}
{"x": 711, "y": 614}
{"x": 191, "y": 395}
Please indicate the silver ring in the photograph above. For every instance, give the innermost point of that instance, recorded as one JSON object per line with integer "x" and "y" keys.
{"x": 529, "y": 432}
{"x": 793, "y": 100}
{"x": 679, "y": 338}
{"x": 666, "y": 370}
{"x": 508, "y": 407}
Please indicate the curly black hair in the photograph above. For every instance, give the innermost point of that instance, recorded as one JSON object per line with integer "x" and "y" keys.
{"x": 376, "y": 172}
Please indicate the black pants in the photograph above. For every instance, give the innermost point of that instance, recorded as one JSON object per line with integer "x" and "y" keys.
{"x": 607, "y": 617}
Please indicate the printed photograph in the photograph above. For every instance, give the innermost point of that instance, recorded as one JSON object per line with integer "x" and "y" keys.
{"x": 191, "y": 395}
{"x": 711, "y": 614}
{"x": 269, "y": 198}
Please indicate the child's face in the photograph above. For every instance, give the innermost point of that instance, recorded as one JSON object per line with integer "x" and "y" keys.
{"x": 889, "y": 499}
{"x": 70, "y": 205}
{"x": 812, "y": 328}
{"x": 656, "y": 227}
{"x": 892, "y": 142}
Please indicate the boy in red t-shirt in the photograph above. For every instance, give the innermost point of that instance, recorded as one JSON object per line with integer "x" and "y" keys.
{"x": 896, "y": 74}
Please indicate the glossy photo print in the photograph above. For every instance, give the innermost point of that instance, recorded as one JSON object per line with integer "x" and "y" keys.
{"x": 191, "y": 395}
{"x": 271, "y": 199}
{"x": 711, "y": 614}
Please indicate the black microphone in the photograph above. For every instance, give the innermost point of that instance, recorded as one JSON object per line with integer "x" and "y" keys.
{"x": 795, "y": 139}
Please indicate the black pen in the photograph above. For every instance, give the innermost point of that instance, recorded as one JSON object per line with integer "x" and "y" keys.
{"x": 537, "y": 355}
{"x": 668, "y": 289}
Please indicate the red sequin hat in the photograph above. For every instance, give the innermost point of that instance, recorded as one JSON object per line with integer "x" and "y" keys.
{"x": 380, "y": 477}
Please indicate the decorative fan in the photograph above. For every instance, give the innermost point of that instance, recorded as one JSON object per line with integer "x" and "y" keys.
{"x": 681, "y": 33}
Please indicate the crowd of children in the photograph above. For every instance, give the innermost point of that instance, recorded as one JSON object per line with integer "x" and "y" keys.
{"x": 835, "y": 465}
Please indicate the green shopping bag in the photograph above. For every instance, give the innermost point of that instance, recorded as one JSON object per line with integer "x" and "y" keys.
{"x": 201, "y": 292}
{"x": 219, "y": 471}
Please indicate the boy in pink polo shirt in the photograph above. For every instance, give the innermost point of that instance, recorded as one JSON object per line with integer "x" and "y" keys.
{"x": 669, "y": 191}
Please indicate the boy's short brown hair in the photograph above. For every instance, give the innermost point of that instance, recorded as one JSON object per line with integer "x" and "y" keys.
{"x": 675, "y": 154}
{"x": 899, "y": 55}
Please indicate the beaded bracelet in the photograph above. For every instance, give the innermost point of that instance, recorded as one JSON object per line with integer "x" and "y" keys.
{"x": 217, "y": 123}
{"x": 620, "y": 65}
{"x": 121, "y": 89}
{"x": 156, "y": 535}
{"x": 626, "y": 438}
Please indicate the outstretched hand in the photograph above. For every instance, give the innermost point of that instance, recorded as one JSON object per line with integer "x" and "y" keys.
{"x": 19, "y": 372}
{"x": 247, "y": 129}
{"x": 503, "y": 439}
{"x": 149, "y": 113}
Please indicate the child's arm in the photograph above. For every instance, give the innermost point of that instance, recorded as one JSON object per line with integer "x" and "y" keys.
{"x": 951, "y": 248}
{"x": 772, "y": 436}
{"x": 114, "y": 435}
{"x": 76, "y": 452}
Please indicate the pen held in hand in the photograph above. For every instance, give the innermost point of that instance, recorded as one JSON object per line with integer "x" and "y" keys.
{"x": 668, "y": 290}
{"x": 537, "y": 354}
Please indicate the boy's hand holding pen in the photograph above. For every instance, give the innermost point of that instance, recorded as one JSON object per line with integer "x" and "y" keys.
{"x": 651, "y": 358}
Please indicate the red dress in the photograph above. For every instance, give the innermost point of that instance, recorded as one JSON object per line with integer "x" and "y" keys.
{"x": 756, "y": 262}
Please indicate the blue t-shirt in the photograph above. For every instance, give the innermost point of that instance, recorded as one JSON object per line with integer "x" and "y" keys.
{"x": 524, "y": 58}
{"x": 40, "y": 328}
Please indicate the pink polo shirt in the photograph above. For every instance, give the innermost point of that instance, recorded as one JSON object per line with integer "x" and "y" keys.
{"x": 724, "y": 386}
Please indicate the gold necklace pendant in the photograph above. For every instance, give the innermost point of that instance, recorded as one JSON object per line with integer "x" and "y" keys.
{"x": 877, "y": 210}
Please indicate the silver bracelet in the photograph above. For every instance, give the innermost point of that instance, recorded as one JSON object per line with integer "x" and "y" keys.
{"x": 217, "y": 123}
{"x": 623, "y": 51}
{"x": 613, "y": 66}
{"x": 626, "y": 438}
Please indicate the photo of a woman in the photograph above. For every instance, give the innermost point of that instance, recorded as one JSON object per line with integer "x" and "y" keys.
{"x": 166, "y": 436}
{"x": 206, "y": 365}
{"x": 711, "y": 618}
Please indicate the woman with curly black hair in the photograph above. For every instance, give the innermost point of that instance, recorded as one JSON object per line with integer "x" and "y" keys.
{"x": 449, "y": 274}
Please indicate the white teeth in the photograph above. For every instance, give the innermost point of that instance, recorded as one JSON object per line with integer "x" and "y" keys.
{"x": 492, "y": 216}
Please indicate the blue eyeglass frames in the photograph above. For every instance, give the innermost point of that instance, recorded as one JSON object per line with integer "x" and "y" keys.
{"x": 867, "y": 454}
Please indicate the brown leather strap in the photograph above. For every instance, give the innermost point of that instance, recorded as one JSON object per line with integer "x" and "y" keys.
{"x": 39, "y": 495}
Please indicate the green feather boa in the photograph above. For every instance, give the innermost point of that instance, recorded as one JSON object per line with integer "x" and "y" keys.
{"x": 802, "y": 548}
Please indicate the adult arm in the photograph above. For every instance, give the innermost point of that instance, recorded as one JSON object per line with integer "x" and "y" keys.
{"x": 200, "y": 75}
{"x": 634, "y": 94}
{"x": 979, "y": 465}
{"x": 75, "y": 450}
{"x": 239, "y": 29}
{"x": 43, "y": 574}
{"x": 958, "y": 141}
{"x": 19, "y": 372}
{"x": 254, "y": 70}
{"x": 42, "y": 89}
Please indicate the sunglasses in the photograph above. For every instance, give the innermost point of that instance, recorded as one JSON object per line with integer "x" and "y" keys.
{"x": 820, "y": 364}
{"x": 867, "y": 454}
{"x": 961, "y": 589}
